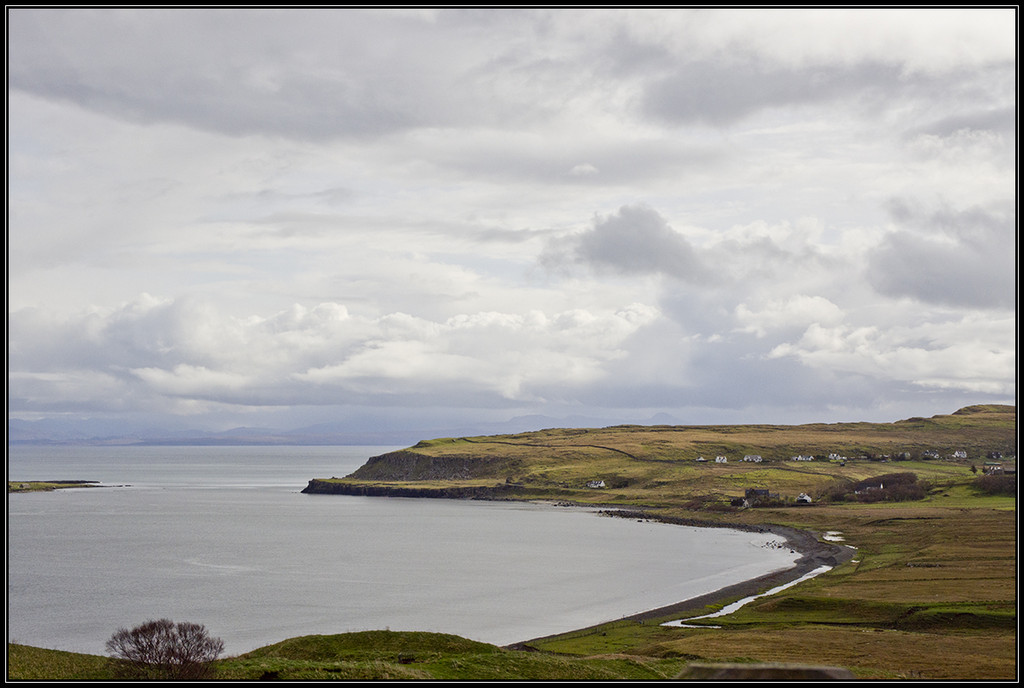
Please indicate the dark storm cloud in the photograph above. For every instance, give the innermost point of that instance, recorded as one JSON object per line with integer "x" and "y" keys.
{"x": 234, "y": 72}
{"x": 1000, "y": 120}
{"x": 303, "y": 75}
{"x": 727, "y": 89}
{"x": 957, "y": 258}
{"x": 634, "y": 241}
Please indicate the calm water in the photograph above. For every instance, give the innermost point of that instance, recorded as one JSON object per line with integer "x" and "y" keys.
{"x": 222, "y": 536}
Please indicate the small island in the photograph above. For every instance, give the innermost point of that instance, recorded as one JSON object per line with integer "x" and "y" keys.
{"x": 47, "y": 485}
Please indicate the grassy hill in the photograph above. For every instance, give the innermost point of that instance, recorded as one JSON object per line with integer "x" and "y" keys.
{"x": 370, "y": 655}
{"x": 661, "y": 466}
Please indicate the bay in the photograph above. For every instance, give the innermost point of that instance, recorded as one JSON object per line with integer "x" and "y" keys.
{"x": 223, "y": 536}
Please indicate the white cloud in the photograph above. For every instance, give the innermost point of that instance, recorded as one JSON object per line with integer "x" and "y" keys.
{"x": 189, "y": 350}
{"x": 798, "y": 311}
{"x": 584, "y": 169}
{"x": 974, "y": 354}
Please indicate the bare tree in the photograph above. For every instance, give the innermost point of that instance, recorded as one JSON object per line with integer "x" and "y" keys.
{"x": 164, "y": 650}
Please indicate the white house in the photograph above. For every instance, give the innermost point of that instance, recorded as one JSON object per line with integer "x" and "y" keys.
{"x": 803, "y": 499}
{"x": 595, "y": 484}
{"x": 752, "y": 457}
{"x": 721, "y": 459}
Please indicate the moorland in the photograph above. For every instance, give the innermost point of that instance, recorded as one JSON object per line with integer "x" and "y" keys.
{"x": 927, "y": 504}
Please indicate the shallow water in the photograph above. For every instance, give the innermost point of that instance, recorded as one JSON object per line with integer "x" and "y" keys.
{"x": 222, "y": 536}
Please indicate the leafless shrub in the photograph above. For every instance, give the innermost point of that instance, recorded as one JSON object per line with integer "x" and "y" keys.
{"x": 164, "y": 650}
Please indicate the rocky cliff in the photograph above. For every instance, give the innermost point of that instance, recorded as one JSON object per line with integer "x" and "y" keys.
{"x": 405, "y": 465}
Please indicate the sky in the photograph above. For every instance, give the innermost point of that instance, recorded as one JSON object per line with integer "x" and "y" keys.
{"x": 397, "y": 218}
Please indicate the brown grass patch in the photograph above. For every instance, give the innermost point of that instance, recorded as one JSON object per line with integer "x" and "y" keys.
{"x": 869, "y": 653}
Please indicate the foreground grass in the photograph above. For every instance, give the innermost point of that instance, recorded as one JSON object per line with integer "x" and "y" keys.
{"x": 26, "y": 663}
{"x": 370, "y": 655}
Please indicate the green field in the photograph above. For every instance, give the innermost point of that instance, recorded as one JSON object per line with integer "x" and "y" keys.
{"x": 930, "y": 593}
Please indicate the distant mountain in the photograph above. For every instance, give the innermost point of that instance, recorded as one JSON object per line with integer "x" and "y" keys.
{"x": 108, "y": 432}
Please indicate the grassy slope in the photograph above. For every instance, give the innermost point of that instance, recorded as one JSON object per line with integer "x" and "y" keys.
{"x": 370, "y": 655}
{"x": 656, "y": 466}
{"x": 931, "y": 593}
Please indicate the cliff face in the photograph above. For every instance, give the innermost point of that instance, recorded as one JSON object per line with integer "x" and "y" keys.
{"x": 405, "y": 465}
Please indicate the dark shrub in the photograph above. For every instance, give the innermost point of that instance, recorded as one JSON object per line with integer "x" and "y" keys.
{"x": 892, "y": 493}
{"x": 997, "y": 484}
{"x": 891, "y": 487}
{"x": 164, "y": 650}
{"x": 886, "y": 480}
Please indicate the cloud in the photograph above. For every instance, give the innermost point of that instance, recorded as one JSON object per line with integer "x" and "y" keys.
{"x": 951, "y": 257}
{"x": 973, "y": 353}
{"x": 796, "y": 312}
{"x": 634, "y": 241}
{"x": 1002, "y": 120}
{"x": 323, "y": 74}
{"x": 722, "y": 91}
{"x": 584, "y": 169}
{"x": 189, "y": 351}
{"x": 241, "y": 72}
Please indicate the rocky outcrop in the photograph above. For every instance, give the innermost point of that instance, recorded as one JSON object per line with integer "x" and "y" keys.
{"x": 405, "y": 465}
{"x": 496, "y": 492}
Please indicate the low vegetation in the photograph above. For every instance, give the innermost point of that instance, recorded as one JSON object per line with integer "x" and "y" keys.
{"x": 371, "y": 655}
{"x": 929, "y": 594}
{"x": 997, "y": 484}
{"x": 162, "y": 650}
{"x": 890, "y": 487}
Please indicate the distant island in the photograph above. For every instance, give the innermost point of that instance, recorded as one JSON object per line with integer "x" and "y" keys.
{"x": 47, "y": 485}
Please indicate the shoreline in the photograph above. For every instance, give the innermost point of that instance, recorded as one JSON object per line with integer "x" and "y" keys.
{"x": 814, "y": 554}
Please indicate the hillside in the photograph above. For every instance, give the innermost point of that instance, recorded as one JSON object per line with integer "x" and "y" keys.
{"x": 663, "y": 466}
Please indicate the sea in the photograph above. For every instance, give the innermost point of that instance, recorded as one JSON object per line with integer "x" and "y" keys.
{"x": 223, "y": 536}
